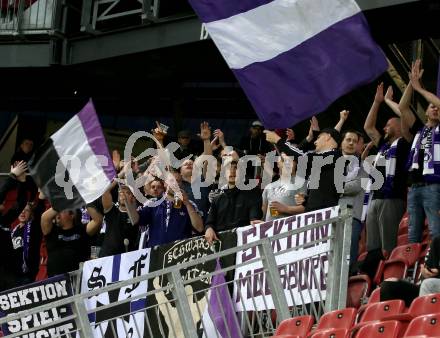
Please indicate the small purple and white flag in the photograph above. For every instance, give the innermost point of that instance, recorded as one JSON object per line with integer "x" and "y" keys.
{"x": 293, "y": 58}
{"x": 73, "y": 167}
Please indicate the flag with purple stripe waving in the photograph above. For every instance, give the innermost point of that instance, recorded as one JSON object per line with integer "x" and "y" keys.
{"x": 293, "y": 58}
{"x": 73, "y": 167}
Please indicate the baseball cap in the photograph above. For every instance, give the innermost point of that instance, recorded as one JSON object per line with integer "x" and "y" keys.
{"x": 257, "y": 123}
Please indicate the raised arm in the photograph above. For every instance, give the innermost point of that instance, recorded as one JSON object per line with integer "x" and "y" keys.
{"x": 283, "y": 147}
{"x": 96, "y": 222}
{"x": 370, "y": 122}
{"x": 415, "y": 76}
{"x": 343, "y": 116}
{"x": 407, "y": 119}
{"x": 47, "y": 221}
{"x": 205, "y": 135}
{"x": 390, "y": 103}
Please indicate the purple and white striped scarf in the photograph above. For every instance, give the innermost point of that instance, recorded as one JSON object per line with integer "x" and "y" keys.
{"x": 390, "y": 153}
{"x": 431, "y": 162}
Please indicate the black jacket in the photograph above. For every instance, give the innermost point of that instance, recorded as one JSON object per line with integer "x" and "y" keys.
{"x": 234, "y": 208}
{"x": 326, "y": 194}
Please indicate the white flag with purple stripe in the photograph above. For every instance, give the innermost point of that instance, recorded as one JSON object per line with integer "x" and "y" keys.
{"x": 73, "y": 167}
{"x": 293, "y": 58}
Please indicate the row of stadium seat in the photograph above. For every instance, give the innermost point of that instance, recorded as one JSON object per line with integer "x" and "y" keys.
{"x": 389, "y": 319}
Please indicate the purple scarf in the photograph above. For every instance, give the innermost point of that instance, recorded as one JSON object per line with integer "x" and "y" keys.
{"x": 389, "y": 151}
{"x": 26, "y": 242}
{"x": 431, "y": 161}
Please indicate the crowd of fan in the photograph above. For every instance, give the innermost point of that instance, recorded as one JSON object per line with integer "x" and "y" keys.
{"x": 38, "y": 241}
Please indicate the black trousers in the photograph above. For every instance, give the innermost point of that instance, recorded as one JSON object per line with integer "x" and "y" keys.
{"x": 400, "y": 289}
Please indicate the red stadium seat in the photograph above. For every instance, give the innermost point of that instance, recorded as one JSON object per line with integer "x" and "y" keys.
{"x": 295, "y": 327}
{"x": 409, "y": 251}
{"x": 374, "y": 298}
{"x": 404, "y": 222}
{"x": 428, "y": 325}
{"x": 401, "y": 258}
{"x": 332, "y": 333}
{"x": 422, "y": 305}
{"x": 337, "y": 319}
{"x": 378, "y": 311}
{"x": 359, "y": 288}
{"x": 402, "y": 239}
{"x": 425, "y": 304}
{"x": 389, "y": 329}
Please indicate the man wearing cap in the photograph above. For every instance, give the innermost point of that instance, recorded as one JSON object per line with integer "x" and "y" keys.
{"x": 387, "y": 204}
{"x": 322, "y": 190}
{"x": 184, "y": 140}
{"x": 255, "y": 143}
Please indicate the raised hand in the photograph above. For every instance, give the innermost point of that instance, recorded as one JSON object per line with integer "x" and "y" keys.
{"x": 19, "y": 170}
{"x": 343, "y": 115}
{"x": 378, "y": 97}
{"x": 389, "y": 94}
{"x": 214, "y": 144}
{"x": 416, "y": 74}
{"x": 205, "y": 131}
{"x": 271, "y": 136}
{"x": 314, "y": 123}
{"x": 221, "y": 137}
{"x": 159, "y": 133}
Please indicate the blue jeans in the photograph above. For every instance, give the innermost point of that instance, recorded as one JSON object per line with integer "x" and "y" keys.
{"x": 356, "y": 229}
{"x": 423, "y": 201}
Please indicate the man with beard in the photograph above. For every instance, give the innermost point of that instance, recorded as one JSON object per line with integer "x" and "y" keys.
{"x": 387, "y": 203}
{"x": 424, "y": 160}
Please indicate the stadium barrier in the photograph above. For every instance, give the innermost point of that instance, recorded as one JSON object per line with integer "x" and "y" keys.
{"x": 242, "y": 286}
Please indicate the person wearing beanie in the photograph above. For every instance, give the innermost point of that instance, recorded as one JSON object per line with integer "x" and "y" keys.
{"x": 323, "y": 190}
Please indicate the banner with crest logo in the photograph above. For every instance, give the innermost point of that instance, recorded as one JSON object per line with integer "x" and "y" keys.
{"x": 208, "y": 297}
{"x": 116, "y": 322}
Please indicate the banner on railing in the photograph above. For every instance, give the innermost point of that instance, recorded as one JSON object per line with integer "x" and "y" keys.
{"x": 102, "y": 272}
{"x": 303, "y": 271}
{"x": 208, "y": 307}
{"x": 31, "y": 296}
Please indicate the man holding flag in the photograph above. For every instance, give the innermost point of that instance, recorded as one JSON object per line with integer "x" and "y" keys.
{"x": 72, "y": 168}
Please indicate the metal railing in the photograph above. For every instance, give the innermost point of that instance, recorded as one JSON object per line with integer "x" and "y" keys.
{"x": 284, "y": 287}
{"x": 19, "y": 17}
{"x": 102, "y": 15}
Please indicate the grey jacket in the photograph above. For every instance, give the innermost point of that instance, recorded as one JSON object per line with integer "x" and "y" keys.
{"x": 354, "y": 194}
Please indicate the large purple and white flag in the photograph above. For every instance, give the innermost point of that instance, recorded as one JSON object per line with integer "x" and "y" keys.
{"x": 293, "y": 58}
{"x": 73, "y": 167}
